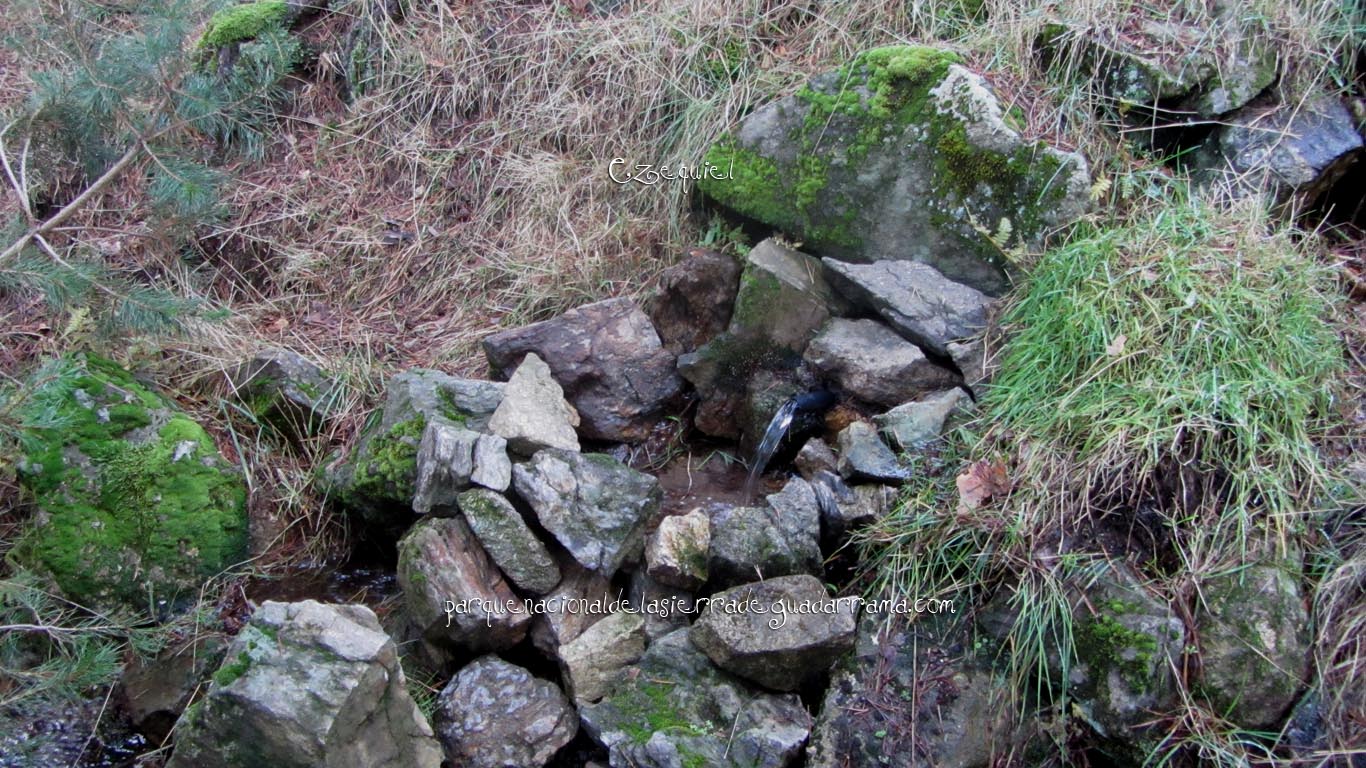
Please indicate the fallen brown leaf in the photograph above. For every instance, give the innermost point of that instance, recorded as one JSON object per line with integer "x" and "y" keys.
{"x": 981, "y": 482}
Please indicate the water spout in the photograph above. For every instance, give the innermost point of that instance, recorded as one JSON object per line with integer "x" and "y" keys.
{"x": 773, "y": 435}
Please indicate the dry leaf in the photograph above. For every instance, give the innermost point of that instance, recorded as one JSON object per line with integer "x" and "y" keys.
{"x": 1116, "y": 347}
{"x": 983, "y": 481}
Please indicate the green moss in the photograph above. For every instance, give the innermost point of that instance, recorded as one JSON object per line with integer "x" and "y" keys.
{"x": 129, "y": 515}
{"x": 244, "y": 22}
{"x": 451, "y": 410}
{"x": 388, "y": 469}
{"x": 649, "y": 707}
{"x": 1104, "y": 641}
{"x": 232, "y": 670}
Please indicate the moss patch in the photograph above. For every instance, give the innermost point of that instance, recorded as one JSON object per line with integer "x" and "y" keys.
{"x": 244, "y": 22}
{"x": 388, "y": 469}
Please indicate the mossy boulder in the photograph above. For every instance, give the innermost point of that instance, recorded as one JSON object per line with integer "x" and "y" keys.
{"x": 900, "y": 154}
{"x": 238, "y": 23}
{"x": 136, "y": 506}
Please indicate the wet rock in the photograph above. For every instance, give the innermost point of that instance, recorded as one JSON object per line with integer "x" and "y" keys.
{"x": 609, "y": 360}
{"x": 864, "y": 456}
{"x": 695, "y": 300}
{"x": 494, "y": 714}
{"x": 445, "y": 461}
{"x": 380, "y": 474}
{"x": 915, "y": 299}
{"x": 918, "y": 423}
{"x": 507, "y": 539}
{"x": 845, "y": 508}
{"x": 592, "y": 504}
{"x": 441, "y": 566}
{"x": 815, "y": 456}
{"x": 1289, "y": 150}
{"x": 664, "y": 608}
{"x": 901, "y": 154}
{"x": 581, "y": 598}
{"x": 873, "y": 363}
{"x": 1128, "y": 643}
{"x": 135, "y": 507}
{"x": 286, "y": 389}
{"x": 492, "y": 467}
{"x": 908, "y": 699}
{"x": 534, "y": 413}
{"x": 781, "y": 633}
{"x": 1254, "y": 644}
{"x": 308, "y": 684}
{"x": 676, "y": 709}
{"x": 677, "y": 551}
{"x": 155, "y": 691}
{"x": 780, "y": 538}
{"x": 593, "y": 660}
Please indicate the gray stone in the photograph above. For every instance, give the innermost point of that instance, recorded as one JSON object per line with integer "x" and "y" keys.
{"x": 974, "y": 362}
{"x": 1297, "y": 151}
{"x": 676, "y": 553}
{"x": 581, "y": 598}
{"x": 695, "y": 300}
{"x": 592, "y": 504}
{"x": 780, "y": 633}
{"x": 534, "y": 413}
{"x": 701, "y": 715}
{"x": 815, "y": 456}
{"x": 1254, "y": 644}
{"x": 509, "y": 540}
{"x": 916, "y": 424}
{"x": 844, "y": 508}
{"x": 154, "y": 691}
{"x": 863, "y": 455}
{"x": 664, "y": 608}
{"x": 445, "y": 461}
{"x": 307, "y": 684}
{"x": 916, "y": 159}
{"x": 780, "y": 538}
{"x": 873, "y": 363}
{"x": 287, "y": 389}
{"x": 592, "y": 661}
{"x": 608, "y": 359}
{"x": 492, "y": 467}
{"x": 440, "y": 566}
{"x": 915, "y": 300}
{"x": 494, "y": 714}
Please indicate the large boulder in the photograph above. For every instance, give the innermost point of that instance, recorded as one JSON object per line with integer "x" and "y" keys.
{"x": 609, "y": 360}
{"x": 900, "y": 154}
{"x": 1253, "y": 631}
{"x": 509, "y": 540}
{"x": 379, "y": 475}
{"x": 594, "y": 505}
{"x": 915, "y": 299}
{"x": 871, "y": 362}
{"x": 494, "y": 714}
{"x": 135, "y": 506}
{"x": 453, "y": 592}
{"x": 674, "y": 708}
{"x": 780, "y": 633}
{"x": 695, "y": 300}
{"x": 306, "y": 685}
{"x": 534, "y": 413}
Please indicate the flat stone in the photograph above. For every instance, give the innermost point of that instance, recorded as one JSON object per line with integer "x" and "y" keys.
{"x": 916, "y": 300}
{"x": 493, "y": 714}
{"x": 863, "y": 456}
{"x": 916, "y": 424}
{"x": 873, "y": 363}
{"x": 509, "y": 540}
{"x": 534, "y": 413}
{"x": 492, "y": 467}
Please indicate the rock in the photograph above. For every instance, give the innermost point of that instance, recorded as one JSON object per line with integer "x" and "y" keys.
{"x": 581, "y": 598}
{"x": 900, "y": 154}
{"x": 307, "y": 684}
{"x": 916, "y": 424}
{"x": 1254, "y": 644}
{"x": 908, "y": 699}
{"x": 783, "y": 299}
{"x": 534, "y": 413}
{"x": 780, "y": 633}
{"x": 380, "y": 474}
{"x": 445, "y": 461}
{"x": 695, "y": 300}
{"x": 664, "y": 608}
{"x": 844, "y": 508}
{"x": 492, "y": 467}
{"x": 507, "y": 539}
{"x": 609, "y": 360}
{"x": 675, "y": 709}
{"x": 677, "y": 551}
{"x": 874, "y": 364}
{"x": 915, "y": 299}
{"x": 815, "y": 456}
{"x": 286, "y": 389}
{"x": 974, "y": 363}
{"x": 592, "y": 661}
{"x": 452, "y": 590}
{"x": 780, "y": 538}
{"x": 863, "y": 455}
{"x": 1127, "y": 645}
{"x": 494, "y": 714}
{"x": 1289, "y": 150}
{"x": 592, "y": 504}
{"x": 153, "y": 692}
{"x": 135, "y": 506}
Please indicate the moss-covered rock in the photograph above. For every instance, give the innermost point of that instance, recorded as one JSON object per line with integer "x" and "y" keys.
{"x": 900, "y": 154}
{"x": 237, "y": 23}
{"x": 136, "y": 506}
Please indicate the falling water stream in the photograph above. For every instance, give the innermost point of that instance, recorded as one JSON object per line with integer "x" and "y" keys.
{"x": 773, "y": 435}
